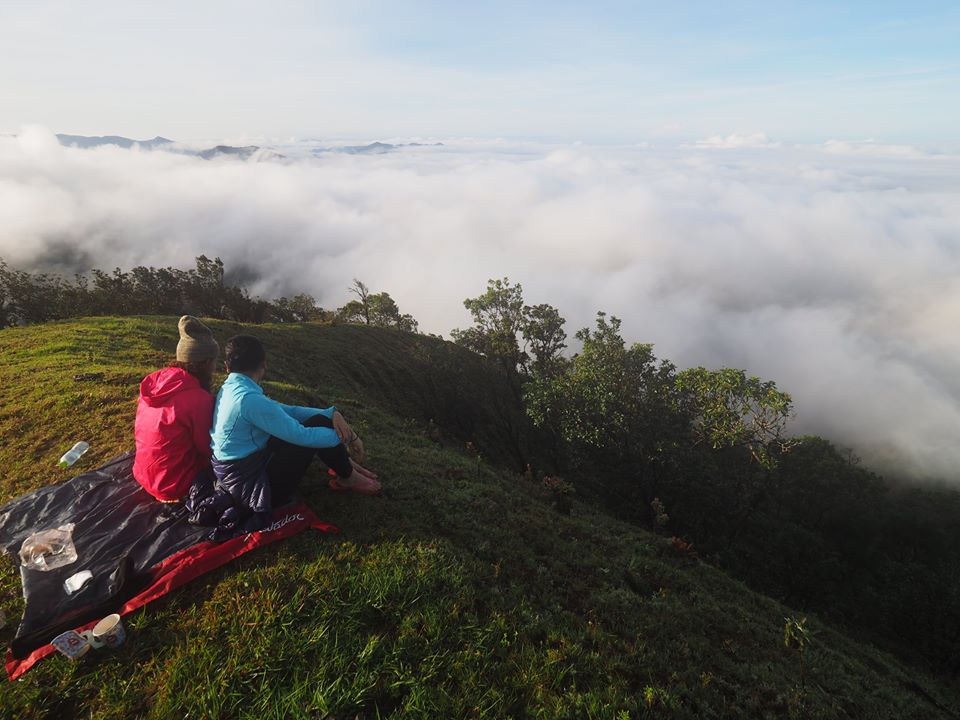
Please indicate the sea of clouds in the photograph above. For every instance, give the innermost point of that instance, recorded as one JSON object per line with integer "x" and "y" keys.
{"x": 833, "y": 269}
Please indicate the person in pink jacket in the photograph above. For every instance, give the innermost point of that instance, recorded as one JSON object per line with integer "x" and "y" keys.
{"x": 174, "y": 415}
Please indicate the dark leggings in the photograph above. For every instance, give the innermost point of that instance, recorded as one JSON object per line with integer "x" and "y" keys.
{"x": 288, "y": 463}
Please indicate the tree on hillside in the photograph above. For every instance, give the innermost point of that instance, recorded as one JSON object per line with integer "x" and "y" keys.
{"x": 739, "y": 426}
{"x": 378, "y": 309}
{"x": 359, "y": 309}
{"x": 6, "y": 302}
{"x": 500, "y": 318}
{"x": 27, "y": 298}
{"x": 37, "y": 297}
{"x": 116, "y": 293}
{"x": 200, "y": 291}
{"x": 159, "y": 290}
{"x": 544, "y": 335}
{"x": 614, "y": 407}
{"x": 300, "y": 308}
{"x": 384, "y": 312}
{"x": 207, "y": 293}
{"x": 207, "y": 290}
{"x": 732, "y": 410}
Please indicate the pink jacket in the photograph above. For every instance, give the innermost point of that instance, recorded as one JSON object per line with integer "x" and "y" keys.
{"x": 172, "y": 432}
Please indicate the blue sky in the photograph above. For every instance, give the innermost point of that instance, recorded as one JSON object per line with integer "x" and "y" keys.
{"x": 597, "y": 72}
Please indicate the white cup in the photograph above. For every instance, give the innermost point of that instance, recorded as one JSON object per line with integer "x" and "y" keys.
{"x": 109, "y": 632}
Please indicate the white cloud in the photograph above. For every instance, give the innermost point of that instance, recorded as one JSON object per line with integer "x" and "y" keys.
{"x": 870, "y": 148}
{"x": 833, "y": 274}
{"x": 736, "y": 141}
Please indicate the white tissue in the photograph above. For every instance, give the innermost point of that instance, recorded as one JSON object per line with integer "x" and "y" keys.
{"x": 76, "y": 581}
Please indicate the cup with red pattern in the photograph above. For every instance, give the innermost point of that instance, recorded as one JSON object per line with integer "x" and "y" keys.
{"x": 72, "y": 644}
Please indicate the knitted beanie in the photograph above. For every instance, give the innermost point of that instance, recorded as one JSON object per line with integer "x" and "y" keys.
{"x": 196, "y": 341}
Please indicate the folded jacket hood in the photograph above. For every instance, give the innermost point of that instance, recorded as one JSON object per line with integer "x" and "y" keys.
{"x": 159, "y": 387}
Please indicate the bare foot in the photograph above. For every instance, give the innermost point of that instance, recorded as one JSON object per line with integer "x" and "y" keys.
{"x": 356, "y": 483}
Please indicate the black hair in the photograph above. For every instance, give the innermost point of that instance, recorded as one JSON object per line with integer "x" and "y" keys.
{"x": 244, "y": 353}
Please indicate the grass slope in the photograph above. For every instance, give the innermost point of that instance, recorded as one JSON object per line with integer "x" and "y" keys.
{"x": 462, "y": 593}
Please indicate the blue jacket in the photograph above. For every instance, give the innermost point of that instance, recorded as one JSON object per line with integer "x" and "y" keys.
{"x": 244, "y": 419}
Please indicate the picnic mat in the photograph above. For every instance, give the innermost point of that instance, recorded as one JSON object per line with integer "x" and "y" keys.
{"x": 135, "y": 550}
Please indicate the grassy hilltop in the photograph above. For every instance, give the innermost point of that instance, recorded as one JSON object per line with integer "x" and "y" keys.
{"x": 462, "y": 592}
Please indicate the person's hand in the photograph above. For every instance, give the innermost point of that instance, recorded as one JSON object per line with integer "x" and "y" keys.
{"x": 347, "y": 436}
{"x": 342, "y": 428}
{"x": 356, "y": 448}
{"x": 361, "y": 470}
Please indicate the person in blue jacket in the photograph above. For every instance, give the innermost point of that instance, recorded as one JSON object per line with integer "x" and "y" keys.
{"x": 262, "y": 448}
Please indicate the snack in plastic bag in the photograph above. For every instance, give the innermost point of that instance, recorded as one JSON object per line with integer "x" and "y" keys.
{"x": 49, "y": 549}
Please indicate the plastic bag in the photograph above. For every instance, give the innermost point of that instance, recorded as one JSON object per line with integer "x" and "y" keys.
{"x": 49, "y": 549}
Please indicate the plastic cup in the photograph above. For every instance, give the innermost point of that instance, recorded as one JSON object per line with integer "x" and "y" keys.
{"x": 110, "y": 632}
{"x": 72, "y": 644}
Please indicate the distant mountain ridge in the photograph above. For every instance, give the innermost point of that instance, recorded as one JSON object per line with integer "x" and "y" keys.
{"x": 242, "y": 153}
{"x": 245, "y": 152}
{"x": 374, "y": 148}
{"x": 85, "y": 141}
{"x": 161, "y": 143}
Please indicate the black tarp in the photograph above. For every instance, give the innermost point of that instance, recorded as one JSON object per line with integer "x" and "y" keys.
{"x": 119, "y": 532}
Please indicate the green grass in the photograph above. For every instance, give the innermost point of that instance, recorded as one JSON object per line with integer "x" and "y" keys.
{"x": 461, "y": 593}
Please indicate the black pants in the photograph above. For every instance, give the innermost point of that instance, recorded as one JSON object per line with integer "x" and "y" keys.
{"x": 288, "y": 463}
